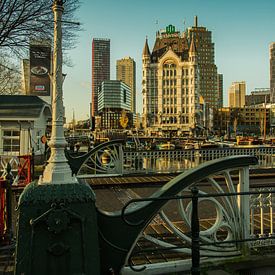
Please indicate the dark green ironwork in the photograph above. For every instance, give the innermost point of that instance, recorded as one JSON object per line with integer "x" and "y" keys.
{"x": 195, "y": 228}
{"x": 57, "y": 232}
{"x": 76, "y": 162}
{"x": 118, "y": 231}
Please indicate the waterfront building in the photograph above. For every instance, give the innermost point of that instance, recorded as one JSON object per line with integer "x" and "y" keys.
{"x": 272, "y": 71}
{"x": 170, "y": 85}
{"x": 126, "y": 71}
{"x": 246, "y": 120}
{"x": 258, "y": 96}
{"x": 100, "y": 68}
{"x": 236, "y": 94}
{"x": 179, "y": 70}
{"x": 208, "y": 76}
{"x": 114, "y": 105}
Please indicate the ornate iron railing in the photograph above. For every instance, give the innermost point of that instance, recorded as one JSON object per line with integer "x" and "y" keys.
{"x": 224, "y": 221}
{"x": 110, "y": 158}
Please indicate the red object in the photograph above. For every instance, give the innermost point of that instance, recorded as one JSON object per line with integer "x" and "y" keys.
{"x": 24, "y": 169}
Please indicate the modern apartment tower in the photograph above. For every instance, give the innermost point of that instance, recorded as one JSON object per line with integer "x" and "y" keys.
{"x": 208, "y": 77}
{"x": 126, "y": 72}
{"x": 236, "y": 94}
{"x": 100, "y": 68}
{"x": 272, "y": 71}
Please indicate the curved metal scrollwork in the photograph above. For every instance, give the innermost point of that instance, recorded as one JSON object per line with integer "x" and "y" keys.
{"x": 106, "y": 160}
{"x": 159, "y": 227}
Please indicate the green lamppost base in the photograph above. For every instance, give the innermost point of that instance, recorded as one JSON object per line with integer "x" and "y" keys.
{"x": 57, "y": 230}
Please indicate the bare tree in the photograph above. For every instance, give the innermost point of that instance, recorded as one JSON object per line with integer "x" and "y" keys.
{"x": 10, "y": 77}
{"x": 22, "y": 20}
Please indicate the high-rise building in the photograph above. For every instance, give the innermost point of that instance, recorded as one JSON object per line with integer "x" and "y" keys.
{"x": 272, "y": 71}
{"x": 114, "y": 104}
{"x": 100, "y": 68}
{"x": 126, "y": 71}
{"x": 170, "y": 88}
{"x": 236, "y": 94}
{"x": 208, "y": 76}
{"x": 220, "y": 90}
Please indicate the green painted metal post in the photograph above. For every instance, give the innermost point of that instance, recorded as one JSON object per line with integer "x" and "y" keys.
{"x": 57, "y": 230}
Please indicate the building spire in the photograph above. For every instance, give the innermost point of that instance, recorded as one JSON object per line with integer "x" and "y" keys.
{"x": 192, "y": 48}
{"x": 146, "y": 50}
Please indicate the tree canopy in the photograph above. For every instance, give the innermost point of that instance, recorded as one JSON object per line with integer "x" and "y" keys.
{"x": 22, "y": 20}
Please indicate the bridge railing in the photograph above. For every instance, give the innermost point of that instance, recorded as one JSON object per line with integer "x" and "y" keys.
{"x": 175, "y": 161}
{"x": 159, "y": 228}
{"x": 111, "y": 158}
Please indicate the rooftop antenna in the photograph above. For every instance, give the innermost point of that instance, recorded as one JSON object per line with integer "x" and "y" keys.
{"x": 157, "y": 23}
{"x": 184, "y": 27}
{"x": 196, "y": 21}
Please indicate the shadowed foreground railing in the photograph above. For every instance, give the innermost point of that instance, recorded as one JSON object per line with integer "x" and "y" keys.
{"x": 124, "y": 235}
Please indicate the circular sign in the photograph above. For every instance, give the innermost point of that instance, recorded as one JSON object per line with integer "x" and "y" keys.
{"x": 43, "y": 139}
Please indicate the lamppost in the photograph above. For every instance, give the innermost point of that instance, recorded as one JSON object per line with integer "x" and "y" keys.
{"x": 57, "y": 170}
{"x": 55, "y": 213}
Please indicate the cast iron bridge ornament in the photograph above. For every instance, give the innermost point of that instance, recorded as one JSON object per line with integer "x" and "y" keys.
{"x": 119, "y": 232}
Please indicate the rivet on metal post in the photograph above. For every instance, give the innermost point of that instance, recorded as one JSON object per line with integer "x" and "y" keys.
{"x": 195, "y": 230}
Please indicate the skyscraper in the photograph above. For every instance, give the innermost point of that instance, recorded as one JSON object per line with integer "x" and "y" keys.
{"x": 206, "y": 63}
{"x": 272, "y": 71}
{"x": 126, "y": 71}
{"x": 236, "y": 94}
{"x": 220, "y": 90}
{"x": 100, "y": 68}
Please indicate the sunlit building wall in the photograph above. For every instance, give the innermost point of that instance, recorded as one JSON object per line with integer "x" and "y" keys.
{"x": 126, "y": 71}
{"x": 272, "y": 71}
{"x": 170, "y": 85}
{"x": 236, "y": 94}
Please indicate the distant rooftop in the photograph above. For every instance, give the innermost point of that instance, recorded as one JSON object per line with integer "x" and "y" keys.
{"x": 12, "y": 106}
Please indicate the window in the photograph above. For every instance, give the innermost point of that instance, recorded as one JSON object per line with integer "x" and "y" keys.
{"x": 11, "y": 141}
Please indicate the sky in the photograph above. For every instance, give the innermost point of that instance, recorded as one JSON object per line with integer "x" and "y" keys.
{"x": 241, "y": 30}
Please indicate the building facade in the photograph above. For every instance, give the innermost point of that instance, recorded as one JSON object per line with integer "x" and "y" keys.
{"x": 114, "y": 105}
{"x": 236, "y": 94}
{"x": 248, "y": 120}
{"x": 100, "y": 68}
{"x": 220, "y": 90}
{"x": 208, "y": 76}
{"x": 23, "y": 123}
{"x": 171, "y": 85}
{"x": 272, "y": 71}
{"x": 126, "y": 71}
{"x": 258, "y": 96}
